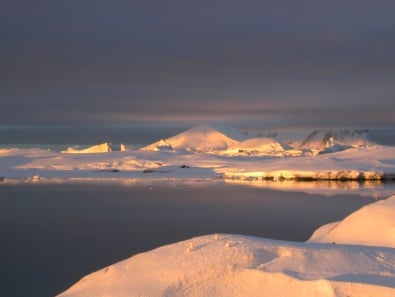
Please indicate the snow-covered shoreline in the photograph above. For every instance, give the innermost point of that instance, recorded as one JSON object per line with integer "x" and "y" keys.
{"x": 317, "y": 161}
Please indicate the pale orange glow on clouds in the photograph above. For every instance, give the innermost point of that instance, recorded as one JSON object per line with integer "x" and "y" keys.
{"x": 303, "y": 62}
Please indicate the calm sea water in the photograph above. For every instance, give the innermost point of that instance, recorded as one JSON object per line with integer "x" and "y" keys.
{"x": 53, "y": 235}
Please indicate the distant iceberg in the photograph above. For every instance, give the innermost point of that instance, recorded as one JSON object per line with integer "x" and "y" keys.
{"x": 98, "y": 148}
{"x": 105, "y": 147}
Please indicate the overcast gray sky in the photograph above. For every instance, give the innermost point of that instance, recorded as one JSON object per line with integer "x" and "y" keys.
{"x": 290, "y": 62}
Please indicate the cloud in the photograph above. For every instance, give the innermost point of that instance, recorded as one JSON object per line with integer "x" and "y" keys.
{"x": 119, "y": 61}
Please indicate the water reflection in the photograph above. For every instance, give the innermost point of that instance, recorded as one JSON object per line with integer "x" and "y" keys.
{"x": 373, "y": 188}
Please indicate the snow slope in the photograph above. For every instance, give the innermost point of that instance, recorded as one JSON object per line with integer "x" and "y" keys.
{"x": 373, "y": 224}
{"x": 235, "y": 265}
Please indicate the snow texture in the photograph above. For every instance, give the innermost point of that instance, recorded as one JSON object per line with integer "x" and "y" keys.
{"x": 235, "y": 265}
{"x": 373, "y": 224}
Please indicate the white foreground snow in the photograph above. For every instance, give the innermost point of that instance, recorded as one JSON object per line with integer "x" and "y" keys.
{"x": 235, "y": 265}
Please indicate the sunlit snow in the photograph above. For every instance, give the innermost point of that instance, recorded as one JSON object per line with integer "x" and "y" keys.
{"x": 235, "y": 265}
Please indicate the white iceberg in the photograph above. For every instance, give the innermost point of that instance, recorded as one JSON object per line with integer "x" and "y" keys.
{"x": 98, "y": 148}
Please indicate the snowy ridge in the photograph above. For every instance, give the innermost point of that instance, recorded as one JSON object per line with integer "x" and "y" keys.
{"x": 290, "y": 143}
{"x": 373, "y": 224}
{"x": 235, "y": 265}
{"x": 322, "y": 140}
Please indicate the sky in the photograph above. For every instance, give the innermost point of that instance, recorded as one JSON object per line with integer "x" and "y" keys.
{"x": 265, "y": 63}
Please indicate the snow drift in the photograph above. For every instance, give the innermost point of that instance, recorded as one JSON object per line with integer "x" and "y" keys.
{"x": 373, "y": 224}
{"x": 235, "y": 265}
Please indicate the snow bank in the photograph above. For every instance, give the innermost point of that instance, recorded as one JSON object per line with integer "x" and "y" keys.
{"x": 373, "y": 224}
{"x": 235, "y": 265}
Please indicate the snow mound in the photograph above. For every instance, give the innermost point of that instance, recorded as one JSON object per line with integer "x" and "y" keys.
{"x": 198, "y": 139}
{"x": 372, "y": 225}
{"x": 234, "y": 265}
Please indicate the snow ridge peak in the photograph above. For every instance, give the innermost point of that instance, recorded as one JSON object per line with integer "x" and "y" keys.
{"x": 201, "y": 138}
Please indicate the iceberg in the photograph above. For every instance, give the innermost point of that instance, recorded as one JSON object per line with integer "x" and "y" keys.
{"x": 98, "y": 148}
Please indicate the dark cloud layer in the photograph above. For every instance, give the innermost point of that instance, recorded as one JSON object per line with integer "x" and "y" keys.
{"x": 309, "y": 62}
